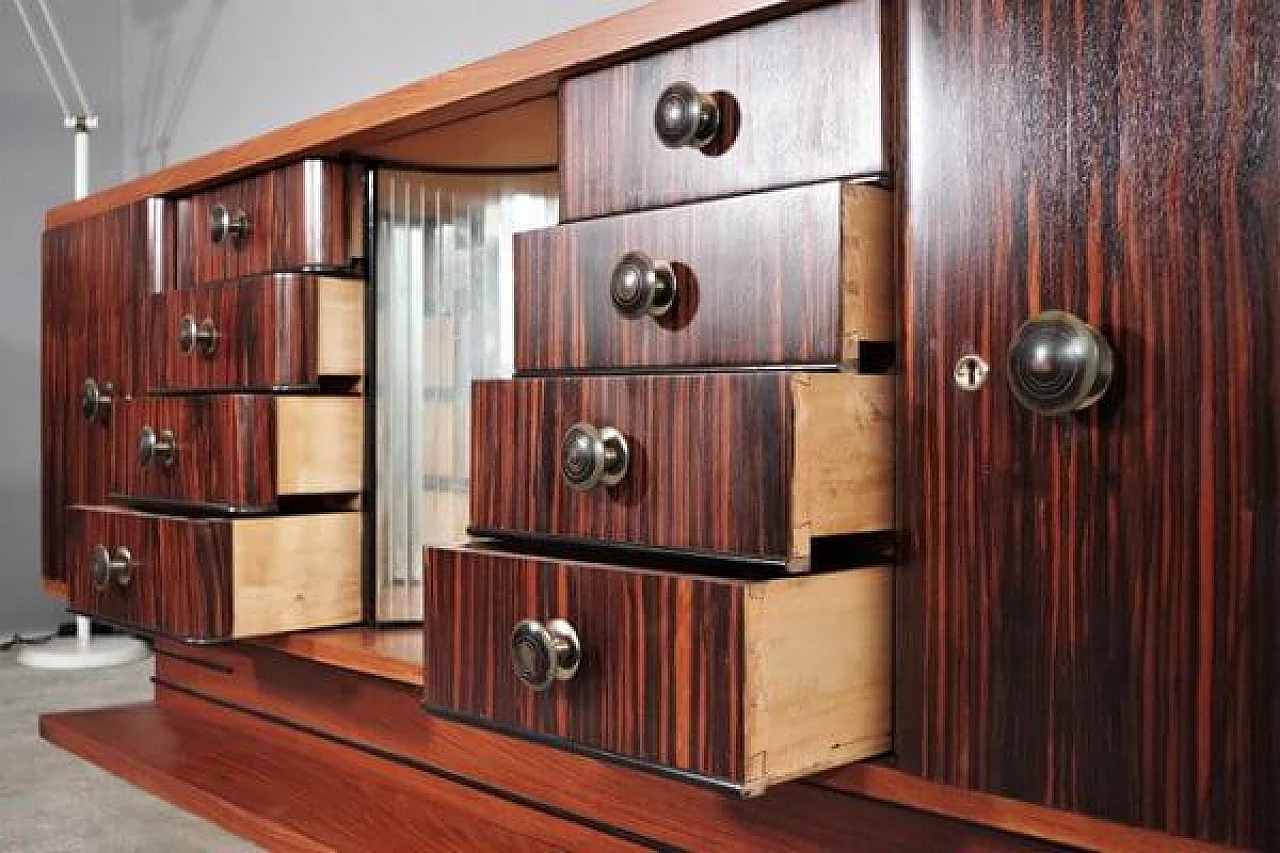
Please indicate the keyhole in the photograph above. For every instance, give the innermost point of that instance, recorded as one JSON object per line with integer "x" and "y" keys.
{"x": 971, "y": 372}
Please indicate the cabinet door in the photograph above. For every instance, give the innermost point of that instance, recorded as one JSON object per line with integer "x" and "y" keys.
{"x": 94, "y": 275}
{"x": 1089, "y": 614}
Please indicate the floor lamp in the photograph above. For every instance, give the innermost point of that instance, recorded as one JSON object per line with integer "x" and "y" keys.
{"x": 83, "y": 651}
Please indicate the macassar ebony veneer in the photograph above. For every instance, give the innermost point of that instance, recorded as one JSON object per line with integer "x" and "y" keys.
{"x": 95, "y": 276}
{"x": 305, "y": 215}
{"x": 1088, "y": 616}
{"x": 801, "y": 276}
{"x": 239, "y": 452}
{"x": 288, "y": 331}
{"x": 738, "y": 684}
{"x": 795, "y": 100}
{"x": 203, "y": 580}
{"x": 751, "y": 466}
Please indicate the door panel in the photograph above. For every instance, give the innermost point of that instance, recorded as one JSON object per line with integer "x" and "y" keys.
{"x": 94, "y": 275}
{"x": 1088, "y": 616}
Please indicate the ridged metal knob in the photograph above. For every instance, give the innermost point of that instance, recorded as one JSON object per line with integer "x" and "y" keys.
{"x": 105, "y": 566}
{"x": 201, "y": 336}
{"x": 1058, "y": 364}
{"x": 591, "y": 457}
{"x": 641, "y": 285}
{"x": 156, "y": 446}
{"x": 685, "y": 117}
{"x": 96, "y": 399}
{"x": 544, "y": 654}
{"x": 224, "y": 224}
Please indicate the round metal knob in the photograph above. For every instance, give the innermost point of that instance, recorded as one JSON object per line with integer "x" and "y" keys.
{"x": 685, "y": 117}
{"x": 641, "y": 285}
{"x": 156, "y": 446}
{"x": 543, "y": 654}
{"x": 105, "y": 566}
{"x": 590, "y": 457}
{"x": 193, "y": 336}
{"x": 1059, "y": 364}
{"x": 96, "y": 399}
{"x": 224, "y": 224}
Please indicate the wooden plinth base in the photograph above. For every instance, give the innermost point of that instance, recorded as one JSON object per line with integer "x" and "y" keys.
{"x": 299, "y": 754}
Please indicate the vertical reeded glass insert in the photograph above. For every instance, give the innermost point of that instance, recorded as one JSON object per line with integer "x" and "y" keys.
{"x": 444, "y": 291}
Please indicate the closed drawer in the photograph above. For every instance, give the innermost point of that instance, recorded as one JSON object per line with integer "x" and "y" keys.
{"x": 754, "y": 465}
{"x": 240, "y": 452}
{"x": 216, "y": 579}
{"x": 289, "y": 331}
{"x": 795, "y": 276}
{"x": 741, "y": 684}
{"x": 304, "y": 216}
{"x": 797, "y": 99}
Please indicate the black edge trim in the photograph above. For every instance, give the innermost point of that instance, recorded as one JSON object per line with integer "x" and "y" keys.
{"x": 688, "y": 777}
{"x": 711, "y": 558}
{"x": 674, "y": 369}
{"x": 151, "y": 633}
{"x": 426, "y": 767}
{"x": 195, "y": 661}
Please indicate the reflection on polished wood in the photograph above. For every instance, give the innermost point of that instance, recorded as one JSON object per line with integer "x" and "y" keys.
{"x": 392, "y": 653}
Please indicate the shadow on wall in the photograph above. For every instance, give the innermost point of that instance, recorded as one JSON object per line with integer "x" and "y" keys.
{"x": 162, "y": 101}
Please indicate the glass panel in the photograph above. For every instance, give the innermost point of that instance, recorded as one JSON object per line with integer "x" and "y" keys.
{"x": 444, "y": 283}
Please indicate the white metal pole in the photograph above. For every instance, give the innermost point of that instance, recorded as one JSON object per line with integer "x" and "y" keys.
{"x": 82, "y": 126}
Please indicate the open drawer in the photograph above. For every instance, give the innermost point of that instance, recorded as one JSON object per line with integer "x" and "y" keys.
{"x": 205, "y": 580}
{"x": 735, "y": 684}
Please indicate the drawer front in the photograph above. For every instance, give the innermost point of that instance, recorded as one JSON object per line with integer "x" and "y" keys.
{"x": 292, "y": 218}
{"x": 220, "y": 579}
{"x": 753, "y": 465}
{"x": 124, "y": 588}
{"x": 799, "y": 276}
{"x": 672, "y": 670}
{"x": 289, "y": 331}
{"x": 787, "y": 116}
{"x": 241, "y": 452}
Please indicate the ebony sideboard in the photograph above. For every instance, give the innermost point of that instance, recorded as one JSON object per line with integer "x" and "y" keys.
{"x": 887, "y": 458}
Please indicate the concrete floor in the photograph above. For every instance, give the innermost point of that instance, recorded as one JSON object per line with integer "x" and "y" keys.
{"x": 52, "y": 802}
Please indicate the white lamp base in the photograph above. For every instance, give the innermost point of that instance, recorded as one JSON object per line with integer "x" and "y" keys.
{"x": 84, "y": 651}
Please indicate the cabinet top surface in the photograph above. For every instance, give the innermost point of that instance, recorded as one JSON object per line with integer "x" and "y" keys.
{"x": 532, "y": 71}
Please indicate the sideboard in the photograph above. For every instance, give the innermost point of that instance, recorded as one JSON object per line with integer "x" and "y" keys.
{"x": 847, "y": 426}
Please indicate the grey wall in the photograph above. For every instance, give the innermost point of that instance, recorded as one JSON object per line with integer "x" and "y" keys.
{"x": 35, "y": 174}
{"x": 173, "y": 79}
{"x": 200, "y": 74}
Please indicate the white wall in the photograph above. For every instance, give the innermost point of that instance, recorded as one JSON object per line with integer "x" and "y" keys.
{"x": 200, "y": 74}
{"x": 35, "y": 174}
{"x": 173, "y": 79}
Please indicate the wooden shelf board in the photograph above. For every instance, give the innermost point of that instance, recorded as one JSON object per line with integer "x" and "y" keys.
{"x": 392, "y": 653}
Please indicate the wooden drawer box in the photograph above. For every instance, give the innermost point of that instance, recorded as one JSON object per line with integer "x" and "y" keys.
{"x": 753, "y": 465}
{"x": 240, "y": 452}
{"x": 735, "y": 683}
{"x": 299, "y": 217}
{"x": 798, "y": 100}
{"x": 217, "y": 579}
{"x": 281, "y": 332}
{"x": 795, "y": 276}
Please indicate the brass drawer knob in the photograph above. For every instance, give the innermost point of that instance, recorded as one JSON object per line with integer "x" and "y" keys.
{"x": 641, "y": 285}
{"x": 193, "y": 336}
{"x": 543, "y": 654}
{"x": 223, "y": 224}
{"x": 156, "y": 446}
{"x": 685, "y": 117}
{"x": 105, "y": 566}
{"x": 96, "y": 399}
{"x": 591, "y": 457}
{"x": 1058, "y": 364}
